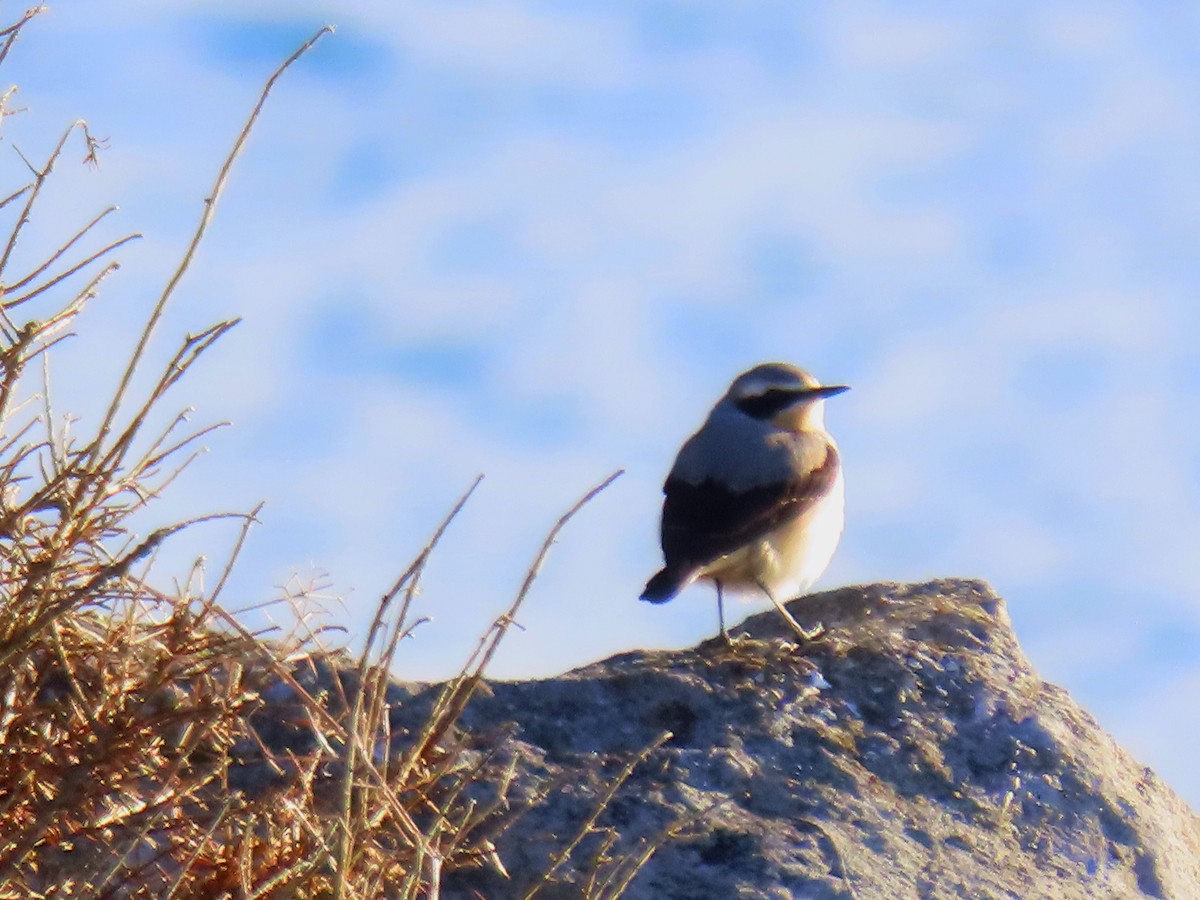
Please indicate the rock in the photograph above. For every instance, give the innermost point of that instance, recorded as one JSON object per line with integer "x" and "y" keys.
{"x": 912, "y": 752}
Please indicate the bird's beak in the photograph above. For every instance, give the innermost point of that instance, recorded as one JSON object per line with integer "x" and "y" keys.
{"x": 826, "y": 390}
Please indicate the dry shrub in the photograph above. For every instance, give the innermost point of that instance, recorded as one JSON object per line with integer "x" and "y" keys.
{"x": 149, "y": 744}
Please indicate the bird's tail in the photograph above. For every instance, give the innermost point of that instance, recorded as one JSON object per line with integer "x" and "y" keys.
{"x": 665, "y": 585}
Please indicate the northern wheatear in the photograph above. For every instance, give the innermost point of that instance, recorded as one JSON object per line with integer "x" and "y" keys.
{"x": 755, "y": 498}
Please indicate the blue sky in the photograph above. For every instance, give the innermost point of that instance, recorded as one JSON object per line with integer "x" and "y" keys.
{"x": 537, "y": 240}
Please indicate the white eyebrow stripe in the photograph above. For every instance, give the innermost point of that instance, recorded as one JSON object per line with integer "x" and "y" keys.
{"x": 759, "y": 386}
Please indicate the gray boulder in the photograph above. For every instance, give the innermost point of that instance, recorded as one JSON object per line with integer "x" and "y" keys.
{"x": 911, "y": 752}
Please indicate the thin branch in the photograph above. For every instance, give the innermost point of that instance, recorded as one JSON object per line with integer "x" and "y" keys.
{"x": 151, "y": 461}
{"x": 12, "y": 32}
{"x": 250, "y": 520}
{"x": 13, "y": 361}
{"x": 502, "y": 624}
{"x": 585, "y": 829}
{"x": 57, "y": 254}
{"x": 458, "y": 692}
{"x": 73, "y": 308}
{"x": 345, "y": 842}
{"x": 63, "y": 276}
{"x": 15, "y": 195}
{"x": 12, "y": 29}
{"x": 210, "y": 207}
{"x": 414, "y": 568}
{"x": 34, "y": 624}
{"x": 39, "y": 179}
{"x": 191, "y": 349}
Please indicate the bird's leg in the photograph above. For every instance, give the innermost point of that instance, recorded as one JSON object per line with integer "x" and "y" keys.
{"x": 721, "y": 613}
{"x": 805, "y": 634}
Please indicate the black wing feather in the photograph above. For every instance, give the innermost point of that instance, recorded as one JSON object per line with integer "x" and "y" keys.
{"x": 703, "y": 522}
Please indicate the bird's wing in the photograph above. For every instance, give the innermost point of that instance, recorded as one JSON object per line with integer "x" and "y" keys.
{"x": 706, "y": 520}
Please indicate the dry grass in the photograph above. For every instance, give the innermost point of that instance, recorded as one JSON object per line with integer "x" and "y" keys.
{"x": 130, "y": 763}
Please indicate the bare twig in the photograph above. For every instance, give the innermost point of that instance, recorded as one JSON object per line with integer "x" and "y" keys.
{"x": 459, "y": 691}
{"x": 585, "y": 829}
{"x": 57, "y": 254}
{"x": 210, "y": 207}
{"x": 11, "y": 33}
{"x": 63, "y": 276}
{"x": 364, "y": 732}
{"x": 39, "y": 179}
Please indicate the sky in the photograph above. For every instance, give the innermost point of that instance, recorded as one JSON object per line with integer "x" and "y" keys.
{"x": 537, "y": 240}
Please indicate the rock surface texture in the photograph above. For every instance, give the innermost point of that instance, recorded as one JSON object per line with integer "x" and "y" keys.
{"x": 911, "y": 752}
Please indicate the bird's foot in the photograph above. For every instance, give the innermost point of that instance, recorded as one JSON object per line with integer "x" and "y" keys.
{"x": 810, "y": 634}
{"x": 734, "y": 640}
{"x": 805, "y": 634}
{"x": 804, "y": 639}
{"x": 728, "y": 642}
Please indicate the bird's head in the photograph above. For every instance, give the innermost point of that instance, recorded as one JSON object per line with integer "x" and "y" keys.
{"x": 782, "y": 394}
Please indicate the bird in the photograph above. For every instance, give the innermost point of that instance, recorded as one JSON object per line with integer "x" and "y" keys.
{"x": 755, "y": 498}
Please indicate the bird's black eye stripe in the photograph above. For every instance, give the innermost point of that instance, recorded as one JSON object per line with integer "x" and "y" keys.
{"x": 766, "y": 404}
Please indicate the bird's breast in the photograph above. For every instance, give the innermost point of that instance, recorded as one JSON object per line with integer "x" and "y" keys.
{"x": 791, "y": 558}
